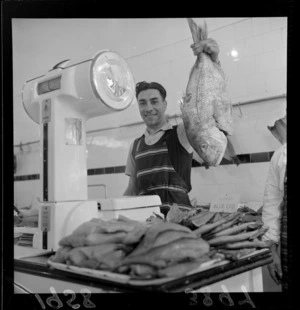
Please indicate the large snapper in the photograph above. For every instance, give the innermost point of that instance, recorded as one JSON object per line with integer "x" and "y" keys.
{"x": 206, "y": 108}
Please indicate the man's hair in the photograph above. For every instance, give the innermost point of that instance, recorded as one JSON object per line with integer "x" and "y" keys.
{"x": 152, "y": 85}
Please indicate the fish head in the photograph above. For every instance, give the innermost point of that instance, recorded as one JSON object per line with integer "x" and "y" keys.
{"x": 211, "y": 146}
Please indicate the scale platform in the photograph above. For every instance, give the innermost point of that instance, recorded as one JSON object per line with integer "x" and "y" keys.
{"x": 137, "y": 208}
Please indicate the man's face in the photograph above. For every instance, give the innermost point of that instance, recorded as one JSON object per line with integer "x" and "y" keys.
{"x": 152, "y": 107}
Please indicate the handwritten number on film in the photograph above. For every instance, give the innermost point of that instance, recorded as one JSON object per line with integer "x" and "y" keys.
{"x": 224, "y": 297}
{"x": 54, "y": 301}
{"x": 69, "y": 302}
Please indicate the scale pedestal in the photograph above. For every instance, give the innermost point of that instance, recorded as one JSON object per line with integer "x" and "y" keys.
{"x": 61, "y": 102}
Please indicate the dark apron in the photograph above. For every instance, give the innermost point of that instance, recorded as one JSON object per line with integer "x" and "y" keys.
{"x": 157, "y": 176}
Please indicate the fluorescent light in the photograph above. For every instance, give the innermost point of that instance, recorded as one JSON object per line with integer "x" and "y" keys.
{"x": 234, "y": 53}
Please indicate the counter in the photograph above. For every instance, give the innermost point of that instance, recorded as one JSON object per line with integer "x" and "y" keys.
{"x": 34, "y": 275}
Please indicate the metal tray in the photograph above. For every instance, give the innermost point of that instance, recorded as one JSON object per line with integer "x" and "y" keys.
{"x": 126, "y": 279}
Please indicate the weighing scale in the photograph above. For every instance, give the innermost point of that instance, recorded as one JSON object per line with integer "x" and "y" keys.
{"x": 61, "y": 102}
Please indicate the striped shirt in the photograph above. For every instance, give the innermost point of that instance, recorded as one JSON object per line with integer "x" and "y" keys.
{"x": 151, "y": 139}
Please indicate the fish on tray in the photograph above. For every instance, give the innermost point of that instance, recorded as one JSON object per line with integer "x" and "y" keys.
{"x": 156, "y": 234}
{"x": 175, "y": 251}
{"x": 206, "y": 108}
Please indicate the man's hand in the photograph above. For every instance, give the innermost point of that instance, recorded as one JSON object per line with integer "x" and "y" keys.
{"x": 208, "y": 46}
{"x": 18, "y": 218}
{"x": 275, "y": 267}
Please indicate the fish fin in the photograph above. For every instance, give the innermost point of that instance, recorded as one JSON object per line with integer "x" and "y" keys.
{"x": 230, "y": 153}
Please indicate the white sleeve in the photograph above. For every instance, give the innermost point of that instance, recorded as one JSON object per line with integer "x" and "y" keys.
{"x": 273, "y": 195}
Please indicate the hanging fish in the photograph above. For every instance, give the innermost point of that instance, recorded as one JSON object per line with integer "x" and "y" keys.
{"x": 206, "y": 108}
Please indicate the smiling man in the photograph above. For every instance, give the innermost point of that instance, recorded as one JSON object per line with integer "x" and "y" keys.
{"x": 160, "y": 161}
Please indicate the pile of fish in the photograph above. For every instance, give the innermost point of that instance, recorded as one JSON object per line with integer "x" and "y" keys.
{"x": 100, "y": 244}
{"x": 167, "y": 250}
{"x": 141, "y": 250}
{"x": 228, "y": 233}
{"x": 161, "y": 248}
{"x": 206, "y": 108}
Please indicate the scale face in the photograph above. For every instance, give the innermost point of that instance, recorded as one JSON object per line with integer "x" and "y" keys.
{"x": 112, "y": 80}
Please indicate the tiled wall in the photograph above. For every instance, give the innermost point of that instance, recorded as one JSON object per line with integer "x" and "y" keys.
{"x": 259, "y": 72}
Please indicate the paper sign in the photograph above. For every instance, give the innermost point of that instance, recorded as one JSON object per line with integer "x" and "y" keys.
{"x": 225, "y": 203}
{"x": 73, "y": 131}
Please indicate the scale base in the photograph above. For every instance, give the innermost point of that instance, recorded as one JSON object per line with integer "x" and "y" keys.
{"x": 59, "y": 219}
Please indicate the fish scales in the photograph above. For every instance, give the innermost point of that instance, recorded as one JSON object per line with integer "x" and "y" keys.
{"x": 206, "y": 108}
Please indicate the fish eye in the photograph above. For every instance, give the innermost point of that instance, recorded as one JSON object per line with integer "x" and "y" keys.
{"x": 204, "y": 146}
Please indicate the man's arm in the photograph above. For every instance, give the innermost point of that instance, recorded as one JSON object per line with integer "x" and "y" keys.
{"x": 131, "y": 189}
{"x": 130, "y": 171}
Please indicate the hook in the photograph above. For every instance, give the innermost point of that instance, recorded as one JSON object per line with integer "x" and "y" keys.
{"x": 239, "y": 106}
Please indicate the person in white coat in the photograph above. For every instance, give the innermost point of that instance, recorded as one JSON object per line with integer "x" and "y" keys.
{"x": 274, "y": 211}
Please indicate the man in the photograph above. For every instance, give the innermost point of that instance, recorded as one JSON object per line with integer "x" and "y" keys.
{"x": 160, "y": 161}
{"x": 274, "y": 214}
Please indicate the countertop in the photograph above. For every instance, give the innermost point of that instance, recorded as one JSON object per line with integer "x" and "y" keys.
{"x": 38, "y": 265}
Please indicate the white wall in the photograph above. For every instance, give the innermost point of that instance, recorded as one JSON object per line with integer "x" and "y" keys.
{"x": 158, "y": 50}
{"x": 39, "y": 44}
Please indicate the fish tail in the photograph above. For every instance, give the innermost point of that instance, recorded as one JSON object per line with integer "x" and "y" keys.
{"x": 203, "y": 29}
{"x": 199, "y": 33}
